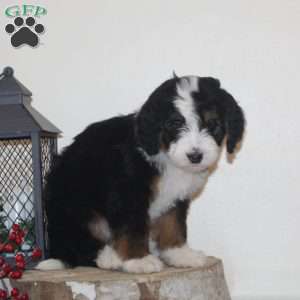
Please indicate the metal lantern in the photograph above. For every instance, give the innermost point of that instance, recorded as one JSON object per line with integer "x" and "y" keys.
{"x": 28, "y": 142}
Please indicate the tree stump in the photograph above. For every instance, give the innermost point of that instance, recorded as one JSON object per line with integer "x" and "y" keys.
{"x": 205, "y": 283}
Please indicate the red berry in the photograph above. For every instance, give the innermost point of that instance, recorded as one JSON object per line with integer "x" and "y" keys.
{"x": 36, "y": 253}
{"x": 2, "y": 261}
{"x": 6, "y": 268}
{"x": 3, "y": 294}
{"x": 15, "y": 274}
{"x": 18, "y": 240}
{"x": 14, "y": 292}
{"x": 8, "y": 248}
{"x": 12, "y": 236}
{"x": 21, "y": 233}
{"x": 16, "y": 227}
{"x": 19, "y": 257}
{"x": 20, "y": 264}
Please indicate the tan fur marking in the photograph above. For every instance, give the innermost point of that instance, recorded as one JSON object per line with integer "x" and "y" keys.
{"x": 167, "y": 232}
{"x": 211, "y": 114}
{"x": 130, "y": 249}
{"x": 121, "y": 246}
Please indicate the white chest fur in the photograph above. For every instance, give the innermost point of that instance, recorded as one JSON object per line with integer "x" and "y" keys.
{"x": 175, "y": 184}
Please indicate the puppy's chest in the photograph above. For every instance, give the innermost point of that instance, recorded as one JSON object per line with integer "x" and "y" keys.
{"x": 171, "y": 186}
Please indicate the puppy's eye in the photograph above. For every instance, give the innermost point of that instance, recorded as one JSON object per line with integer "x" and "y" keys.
{"x": 174, "y": 123}
{"x": 212, "y": 124}
{"x": 216, "y": 129}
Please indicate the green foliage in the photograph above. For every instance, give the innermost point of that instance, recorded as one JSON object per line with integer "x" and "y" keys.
{"x": 28, "y": 227}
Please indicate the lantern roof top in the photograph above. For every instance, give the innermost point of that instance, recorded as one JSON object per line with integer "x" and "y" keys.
{"x": 17, "y": 117}
{"x": 9, "y": 85}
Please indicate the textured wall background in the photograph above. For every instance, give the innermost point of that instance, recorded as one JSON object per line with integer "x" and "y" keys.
{"x": 101, "y": 58}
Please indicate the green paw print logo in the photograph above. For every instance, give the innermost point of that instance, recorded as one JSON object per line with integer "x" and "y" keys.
{"x": 25, "y": 29}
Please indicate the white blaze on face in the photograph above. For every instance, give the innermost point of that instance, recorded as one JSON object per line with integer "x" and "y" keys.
{"x": 191, "y": 137}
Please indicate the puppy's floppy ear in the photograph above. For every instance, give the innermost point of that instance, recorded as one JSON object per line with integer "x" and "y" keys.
{"x": 234, "y": 120}
{"x": 151, "y": 117}
{"x": 148, "y": 127}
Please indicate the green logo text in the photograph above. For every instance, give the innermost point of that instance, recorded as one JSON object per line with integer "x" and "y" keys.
{"x": 25, "y": 10}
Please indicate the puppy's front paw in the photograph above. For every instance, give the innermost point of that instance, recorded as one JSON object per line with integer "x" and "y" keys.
{"x": 108, "y": 259}
{"x": 183, "y": 257}
{"x": 147, "y": 264}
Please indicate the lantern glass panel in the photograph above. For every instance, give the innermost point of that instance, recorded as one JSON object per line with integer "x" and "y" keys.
{"x": 17, "y": 203}
{"x": 48, "y": 148}
{"x": 16, "y": 188}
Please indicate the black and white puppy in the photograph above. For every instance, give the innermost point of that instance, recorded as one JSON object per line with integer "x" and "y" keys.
{"x": 118, "y": 196}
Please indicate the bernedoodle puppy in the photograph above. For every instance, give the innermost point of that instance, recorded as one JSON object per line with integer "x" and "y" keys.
{"x": 118, "y": 196}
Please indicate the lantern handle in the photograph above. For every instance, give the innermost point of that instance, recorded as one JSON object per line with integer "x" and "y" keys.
{"x": 7, "y": 72}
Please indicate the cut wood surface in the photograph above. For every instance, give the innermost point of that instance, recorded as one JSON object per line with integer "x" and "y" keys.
{"x": 205, "y": 283}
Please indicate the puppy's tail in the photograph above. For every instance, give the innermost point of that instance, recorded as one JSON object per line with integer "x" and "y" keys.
{"x": 51, "y": 264}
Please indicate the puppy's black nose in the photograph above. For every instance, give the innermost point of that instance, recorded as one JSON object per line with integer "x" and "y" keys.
{"x": 195, "y": 157}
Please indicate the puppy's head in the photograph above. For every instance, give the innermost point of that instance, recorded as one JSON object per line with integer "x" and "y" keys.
{"x": 188, "y": 118}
